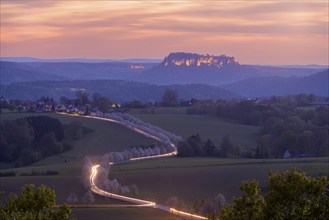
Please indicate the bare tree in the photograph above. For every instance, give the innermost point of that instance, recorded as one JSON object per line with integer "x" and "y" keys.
{"x": 72, "y": 199}
{"x": 88, "y": 197}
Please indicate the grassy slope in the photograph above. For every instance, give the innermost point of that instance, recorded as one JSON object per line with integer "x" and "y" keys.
{"x": 123, "y": 214}
{"x": 175, "y": 120}
{"x": 201, "y": 178}
{"x": 106, "y": 137}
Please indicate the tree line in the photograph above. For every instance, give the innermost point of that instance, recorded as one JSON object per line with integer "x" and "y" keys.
{"x": 285, "y": 123}
{"x": 27, "y": 140}
{"x": 195, "y": 146}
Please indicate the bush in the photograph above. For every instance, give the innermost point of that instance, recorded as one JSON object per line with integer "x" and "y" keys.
{"x": 290, "y": 195}
{"x": 9, "y": 173}
{"x": 51, "y": 172}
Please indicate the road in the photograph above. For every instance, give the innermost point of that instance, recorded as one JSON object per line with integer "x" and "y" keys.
{"x": 137, "y": 202}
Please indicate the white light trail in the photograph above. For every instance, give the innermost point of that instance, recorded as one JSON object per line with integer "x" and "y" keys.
{"x": 139, "y": 202}
{"x": 95, "y": 189}
{"x": 186, "y": 214}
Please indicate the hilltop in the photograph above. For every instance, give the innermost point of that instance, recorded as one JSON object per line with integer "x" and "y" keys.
{"x": 185, "y": 68}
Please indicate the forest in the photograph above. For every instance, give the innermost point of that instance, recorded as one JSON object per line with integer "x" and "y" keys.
{"x": 30, "y": 139}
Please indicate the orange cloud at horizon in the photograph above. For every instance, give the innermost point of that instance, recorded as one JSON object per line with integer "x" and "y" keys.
{"x": 262, "y": 32}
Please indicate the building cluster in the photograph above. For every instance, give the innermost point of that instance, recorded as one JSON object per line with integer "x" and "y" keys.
{"x": 140, "y": 66}
{"x": 43, "y": 104}
{"x": 46, "y": 104}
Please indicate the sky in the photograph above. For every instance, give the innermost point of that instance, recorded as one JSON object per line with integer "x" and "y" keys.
{"x": 254, "y": 32}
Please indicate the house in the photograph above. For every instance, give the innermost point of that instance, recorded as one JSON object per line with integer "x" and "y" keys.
{"x": 293, "y": 153}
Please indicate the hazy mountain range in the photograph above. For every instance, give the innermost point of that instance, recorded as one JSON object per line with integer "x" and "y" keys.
{"x": 317, "y": 84}
{"x": 116, "y": 90}
{"x": 192, "y": 75}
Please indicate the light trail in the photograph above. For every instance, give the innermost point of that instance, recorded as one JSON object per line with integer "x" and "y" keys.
{"x": 154, "y": 156}
{"x": 139, "y": 202}
{"x": 174, "y": 211}
{"x": 95, "y": 189}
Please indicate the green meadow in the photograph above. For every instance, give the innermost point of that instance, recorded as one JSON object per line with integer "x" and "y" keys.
{"x": 175, "y": 120}
{"x": 105, "y": 137}
{"x": 194, "y": 179}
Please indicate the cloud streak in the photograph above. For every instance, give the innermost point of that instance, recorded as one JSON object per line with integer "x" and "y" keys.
{"x": 119, "y": 29}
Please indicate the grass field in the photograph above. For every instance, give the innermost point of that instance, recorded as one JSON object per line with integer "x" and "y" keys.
{"x": 106, "y": 137}
{"x": 122, "y": 214}
{"x": 202, "y": 178}
{"x": 187, "y": 178}
{"x": 175, "y": 120}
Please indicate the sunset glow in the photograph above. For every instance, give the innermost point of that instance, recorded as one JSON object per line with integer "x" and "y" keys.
{"x": 262, "y": 32}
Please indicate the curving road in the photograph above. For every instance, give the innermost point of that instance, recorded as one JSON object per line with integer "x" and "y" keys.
{"x": 137, "y": 202}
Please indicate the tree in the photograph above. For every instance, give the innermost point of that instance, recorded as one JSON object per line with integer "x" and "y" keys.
{"x": 134, "y": 190}
{"x": 74, "y": 130}
{"x": 72, "y": 199}
{"x": 104, "y": 104}
{"x": 43, "y": 125}
{"x": 226, "y": 147}
{"x": 88, "y": 197}
{"x": 293, "y": 195}
{"x": 305, "y": 141}
{"x": 170, "y": 98}
{"x": 210, "y": 148}
{"x": 249, "y": 206}
{"x": 96, "y": 96}
{"x": 175, "y": 203}
{"x": 48, "y": 144}
{"x": 185, "y": 150}
{"x": 82, "y": 97}
{"x": 290, "y": 195}
{"x": 64, "y": 100}
{"x": 197, "y": 145}
{"x": 311, "y": 98}
{"x": 34, "y": 204}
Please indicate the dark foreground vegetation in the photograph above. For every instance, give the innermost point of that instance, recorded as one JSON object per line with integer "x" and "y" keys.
{"x": 289, "y": 195}
{"x": 30, "y": 139}
{"x": 33, "y": 204}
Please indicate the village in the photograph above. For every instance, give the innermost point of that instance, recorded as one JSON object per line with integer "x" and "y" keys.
{"x": 46, "y": 104}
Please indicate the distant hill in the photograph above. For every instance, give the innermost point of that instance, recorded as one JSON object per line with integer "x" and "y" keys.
{"x": 92, "y": 71}
{"x": 20, "y": 72}
{"x": 116, "y": 90}
{"x": 192, "y": 75}
{"x": 317, "y": 84}
{"x": 184, "y": 68}
{"x": 76, "y": 60}
{"x": 176, "y": 68}
{"x": 310, "y": 66}
{"x": 39, "y": 71}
